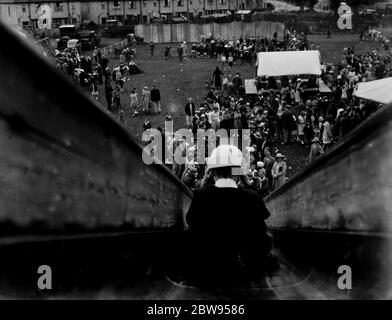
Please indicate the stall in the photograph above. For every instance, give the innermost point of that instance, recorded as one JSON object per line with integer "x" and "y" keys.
{"x": 284, "y": 64}
{"x": 288, "y": 63}
{"x": 378, "y": 90}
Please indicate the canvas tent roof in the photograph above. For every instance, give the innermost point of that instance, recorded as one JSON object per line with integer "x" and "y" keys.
{"x": 286, "y": 63}
{"x": 68, "y": 26}
{"x": 378, "y": 90}
{"x": 215, "y": 15}
{"x": 178, "y": 19}
{"x": 243, "y": 11}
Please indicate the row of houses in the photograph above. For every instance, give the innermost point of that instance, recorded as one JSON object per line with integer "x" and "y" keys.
{"x": 26, "y": 13}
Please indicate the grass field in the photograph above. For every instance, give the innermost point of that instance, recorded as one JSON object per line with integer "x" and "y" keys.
{"x": 178, "y": 81}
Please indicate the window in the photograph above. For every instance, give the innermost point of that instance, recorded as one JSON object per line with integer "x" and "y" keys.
{"x": 73, "y": 7}
{"x": 132, "y": 4}
{"x": 24, "y": 9}
{"x": 222, "y": 1}
{"x": 144, "y": 5}
{"x": 167, "y": 3}
{"x": 180, "y": 3}
{"x": 116, "y": 4}
{"x": 56, "y": 22}
{"x": 9, "y": 10}
{"x": 25, "y": 23}
{"x": 210, "y": 2}
{"x": 190, "y": 2}
{"x": 58, "y": 7}
{"x": 102, "y": 5}
{"x": 155, "y": 3}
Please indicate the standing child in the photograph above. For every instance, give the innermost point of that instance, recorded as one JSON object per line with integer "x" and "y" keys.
{"x": 94, "y": 92}
{"x": 300, "y": 127}
{"x": 224, "y": 63}
{"x": 134, "y": 102}
{"x": 230, "y": 60}
{"x": 146, "y": 95}
{"x": 167, "y": 52}
{"x": 121, "y": 114}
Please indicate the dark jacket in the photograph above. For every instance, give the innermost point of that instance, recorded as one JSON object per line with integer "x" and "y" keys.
{"x": 237, "y": 81}
{"x": 264, "y": 188}
{"x": 190, "y": 107}
{"x": 288, "y": 120}
{"x": 228, "y": 220}
{"x": 155, "y": 95}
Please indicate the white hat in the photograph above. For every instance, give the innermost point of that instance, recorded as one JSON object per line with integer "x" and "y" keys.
{"x": 260, "y": 164}
{"x": 225, "y": 156}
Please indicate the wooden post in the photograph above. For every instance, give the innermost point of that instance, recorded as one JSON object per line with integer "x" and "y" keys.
{"x": 171, "y": 22}
{"x": 32, "y": 24}
{"x": 69, "y": 12}
{"x": 141, "y": 11}
{"x": 124, "y": 11}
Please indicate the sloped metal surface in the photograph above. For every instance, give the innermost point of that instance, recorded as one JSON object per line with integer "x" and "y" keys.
{"x": 66, "y": 166}
{"x": 338, "y": 211}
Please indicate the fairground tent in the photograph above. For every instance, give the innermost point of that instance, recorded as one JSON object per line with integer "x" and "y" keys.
{"x": 287, "y": 63}
{"x": 378, "y": 90}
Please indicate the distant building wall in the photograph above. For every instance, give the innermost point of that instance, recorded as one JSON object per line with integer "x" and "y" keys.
{"x": 193, "y": 32}
{"x": 24, "y": 13}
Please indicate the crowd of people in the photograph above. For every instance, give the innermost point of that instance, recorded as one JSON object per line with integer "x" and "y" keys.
{"x": 92, "y": 71}
{"x": 284, "y": 111}
{"x": 244, "y": 49}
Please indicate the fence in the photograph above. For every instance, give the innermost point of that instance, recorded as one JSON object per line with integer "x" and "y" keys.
{"x": 108, "y": 50}
{"x": 46, "y": 47}
{"x": 194, "y": 32}
{"x": 314, "y": 22}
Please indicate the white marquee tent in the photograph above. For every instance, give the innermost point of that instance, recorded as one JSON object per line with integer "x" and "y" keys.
{"x": 378, "y": 90}
{"x": 286, "y": 63}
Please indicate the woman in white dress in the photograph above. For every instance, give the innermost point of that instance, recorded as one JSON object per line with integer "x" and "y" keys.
{"x": 278, "y": 171}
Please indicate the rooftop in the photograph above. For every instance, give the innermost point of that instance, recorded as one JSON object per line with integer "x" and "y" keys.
{"x": 41, "y": 1}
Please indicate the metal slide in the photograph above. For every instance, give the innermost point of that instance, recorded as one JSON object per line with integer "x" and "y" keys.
{"x": 67, "y": 166}
{"x": 76, "y": 195}
{"x": 338, "y": 212}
